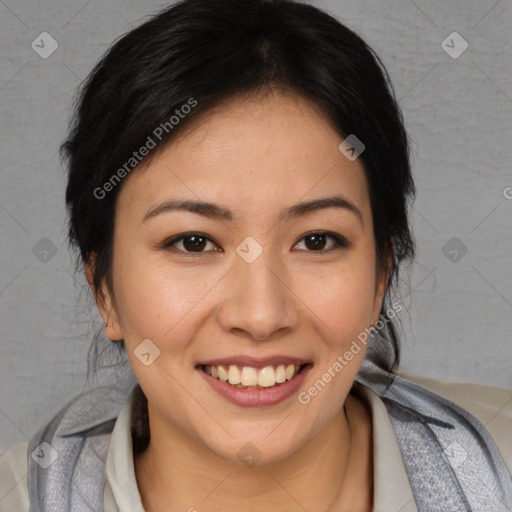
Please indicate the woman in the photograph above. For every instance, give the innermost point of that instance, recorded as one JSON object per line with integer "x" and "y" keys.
{"x": 239, "y": 182}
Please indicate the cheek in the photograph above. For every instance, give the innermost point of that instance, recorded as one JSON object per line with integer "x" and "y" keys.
{"x": 151, "y": 302}
{"x": 160, "y": 303}
{"x": 342, "y": 299}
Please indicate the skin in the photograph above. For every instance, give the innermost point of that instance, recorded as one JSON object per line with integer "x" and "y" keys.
{"x": 255, "y": 157}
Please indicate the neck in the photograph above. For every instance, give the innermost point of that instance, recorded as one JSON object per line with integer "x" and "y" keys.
{"x": 319, "y": 474}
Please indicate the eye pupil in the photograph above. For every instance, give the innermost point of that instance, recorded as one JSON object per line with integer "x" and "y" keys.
{"x": 194, "y": 242}
{"x": 318, "y": 241}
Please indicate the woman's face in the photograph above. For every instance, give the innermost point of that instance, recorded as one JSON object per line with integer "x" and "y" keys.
{"x": 258, "y": 285}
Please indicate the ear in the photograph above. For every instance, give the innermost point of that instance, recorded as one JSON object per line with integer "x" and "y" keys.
{"x": 383, "y": 277}
{"x": 104, "y": 302}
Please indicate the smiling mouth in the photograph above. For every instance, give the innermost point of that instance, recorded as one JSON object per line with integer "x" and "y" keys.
{"x": 247, "y": 377}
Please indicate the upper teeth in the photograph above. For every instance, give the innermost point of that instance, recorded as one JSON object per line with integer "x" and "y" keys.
{"x": 248, "y": 376}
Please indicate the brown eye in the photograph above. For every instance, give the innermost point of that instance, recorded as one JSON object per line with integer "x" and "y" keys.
{"x": 194, "y": 243}
{"x": 316, "y": 242}
{"x": 190, "y": 242}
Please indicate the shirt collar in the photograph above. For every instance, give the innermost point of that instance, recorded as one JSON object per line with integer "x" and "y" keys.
{"x": 392, "y": 490}
{"x": 120, "y": 469}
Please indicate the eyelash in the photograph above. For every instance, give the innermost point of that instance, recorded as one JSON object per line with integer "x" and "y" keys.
{"x": 339, "y": 242}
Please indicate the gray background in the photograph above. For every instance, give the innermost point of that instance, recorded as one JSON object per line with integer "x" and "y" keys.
{"x": 459, "y": 115}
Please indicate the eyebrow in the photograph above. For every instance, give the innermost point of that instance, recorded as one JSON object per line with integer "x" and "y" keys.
{"x": 216, "y": 212}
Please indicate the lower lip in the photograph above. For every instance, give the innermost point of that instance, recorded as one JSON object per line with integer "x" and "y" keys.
{"x": 257, "y": 397}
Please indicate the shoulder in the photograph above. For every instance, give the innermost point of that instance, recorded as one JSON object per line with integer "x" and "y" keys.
{"x": 13, "y": 479}
{"x": 491, "y": 406}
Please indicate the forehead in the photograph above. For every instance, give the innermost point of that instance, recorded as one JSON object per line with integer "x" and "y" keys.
{"x": 272, "y": 149}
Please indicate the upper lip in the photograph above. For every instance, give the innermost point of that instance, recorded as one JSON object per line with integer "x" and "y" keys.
{"x": 255, "y": 362}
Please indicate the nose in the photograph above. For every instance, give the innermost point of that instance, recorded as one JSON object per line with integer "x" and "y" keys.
{"x": 258, "y": 301}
